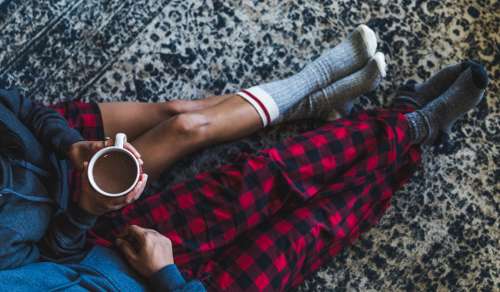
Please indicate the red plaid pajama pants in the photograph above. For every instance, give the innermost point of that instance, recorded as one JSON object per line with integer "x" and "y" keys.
{"x": 268, "y": 220}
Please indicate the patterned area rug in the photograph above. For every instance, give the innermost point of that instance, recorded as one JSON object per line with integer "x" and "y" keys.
{"x": 442, "y": 232}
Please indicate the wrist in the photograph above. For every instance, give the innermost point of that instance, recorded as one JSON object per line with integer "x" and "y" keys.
{"x": 88, "y": 208}
{"x": 70, "y": 138}
{"x": 81, "y": 216}
{"x": 158, "y": 268}
{"x": 72, "y": 150}
{"x": 167, "y": 279}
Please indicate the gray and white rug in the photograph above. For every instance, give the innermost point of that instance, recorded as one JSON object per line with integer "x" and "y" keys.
{"x": 442, "y": 232}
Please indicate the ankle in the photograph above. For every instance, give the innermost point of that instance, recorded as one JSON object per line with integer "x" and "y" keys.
{"x": 420, "y": 127}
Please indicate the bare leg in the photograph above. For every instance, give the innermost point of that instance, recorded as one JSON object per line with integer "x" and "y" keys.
{"x": 135, "y": 118}
{"x": 187, "y": 132}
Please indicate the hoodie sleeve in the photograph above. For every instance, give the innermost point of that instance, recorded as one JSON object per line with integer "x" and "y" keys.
{"x": 14, "y": 250}
{"x": 170, "y": 279}
{"x": 66, "y": 236}
{"x": 50, "y": 128}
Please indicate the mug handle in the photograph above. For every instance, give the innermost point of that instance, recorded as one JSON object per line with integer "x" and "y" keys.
{"x": 120, "y": 140}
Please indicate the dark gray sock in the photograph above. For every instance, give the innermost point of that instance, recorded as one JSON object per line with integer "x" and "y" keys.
{"x": 437, "y": 84}
{"x": 441, "y": 113}
{"x": 419, "y": 126}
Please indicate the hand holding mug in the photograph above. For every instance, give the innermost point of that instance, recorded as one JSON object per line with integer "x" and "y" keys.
{"x": 82, "y": 151}
{"x": 113, "y": 178}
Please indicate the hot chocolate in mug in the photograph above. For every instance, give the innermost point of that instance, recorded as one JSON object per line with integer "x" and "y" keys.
{"x": 114, "y": 171}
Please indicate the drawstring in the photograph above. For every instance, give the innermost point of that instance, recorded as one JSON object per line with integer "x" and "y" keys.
{"x": 32, "y": 167}
{"x": 32, "y": 197}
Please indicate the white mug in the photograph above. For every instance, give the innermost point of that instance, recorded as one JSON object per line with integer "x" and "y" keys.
{"x": 120, "y": 141}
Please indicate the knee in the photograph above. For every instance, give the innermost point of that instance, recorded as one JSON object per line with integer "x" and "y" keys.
{"x": 170, "y": 108}
{"x": 192, "y": 125}
{"x": 175, "y": 107}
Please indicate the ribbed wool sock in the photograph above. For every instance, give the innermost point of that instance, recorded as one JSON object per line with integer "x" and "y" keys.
{"x": 419, "y": 127}
{"x": 441, "y": 113}
{"x": 274, "y": 98}
{"x": 340, "y": 95}
{"x": 422, "y": 93}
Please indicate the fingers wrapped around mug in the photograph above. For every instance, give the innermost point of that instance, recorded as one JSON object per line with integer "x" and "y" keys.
{"x": 132, "y": 149}
{"x": 97, "y": 204}
{"x": 136, "y": 193}
{"x": 107, "y": 142}
{"x": 114, "y": 176}
{"x": 113, "y": 204}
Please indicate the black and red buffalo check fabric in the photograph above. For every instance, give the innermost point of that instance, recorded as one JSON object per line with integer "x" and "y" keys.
{"x": 269, "y": 219}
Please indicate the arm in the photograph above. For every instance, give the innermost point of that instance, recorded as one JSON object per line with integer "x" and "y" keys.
{"x": 50, "y": 128}
{"x": 66, "y": 235}
{"x": 100, "y": 270}
{"x": 14, "y": 250}
{"x": 151, "y": 255}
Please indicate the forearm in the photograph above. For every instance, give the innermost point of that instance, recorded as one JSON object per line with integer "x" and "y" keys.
{"x": 66, "y": 235}
{"x": 50, "y": 128}
{"x": 15, "y": 251}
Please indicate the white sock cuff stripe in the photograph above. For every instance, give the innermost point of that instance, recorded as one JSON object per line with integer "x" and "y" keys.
{"x": 257, "y": 107}
{"x": 263, "y": 103}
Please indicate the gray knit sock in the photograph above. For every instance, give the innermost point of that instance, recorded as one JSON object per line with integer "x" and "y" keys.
{"x": 422, "y": 93}
{"x": 419, "y": 126}
{"x": 340, "y": 95}
{"x": 274, "y": 98}
{"x": 441, "y": 113}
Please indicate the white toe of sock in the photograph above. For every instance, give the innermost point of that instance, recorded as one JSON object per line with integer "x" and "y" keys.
{"x": 382, "y": 66}
{"x": 369, "y": 37}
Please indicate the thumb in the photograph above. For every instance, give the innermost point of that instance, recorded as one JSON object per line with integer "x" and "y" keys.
{"x": 97, "y": 145}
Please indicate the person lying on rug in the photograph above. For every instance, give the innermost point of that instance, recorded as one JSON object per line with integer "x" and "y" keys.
{"x": 263, "y": 222}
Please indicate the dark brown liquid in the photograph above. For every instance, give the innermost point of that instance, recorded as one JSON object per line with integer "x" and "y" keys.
{"x": 115, "y": 172}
